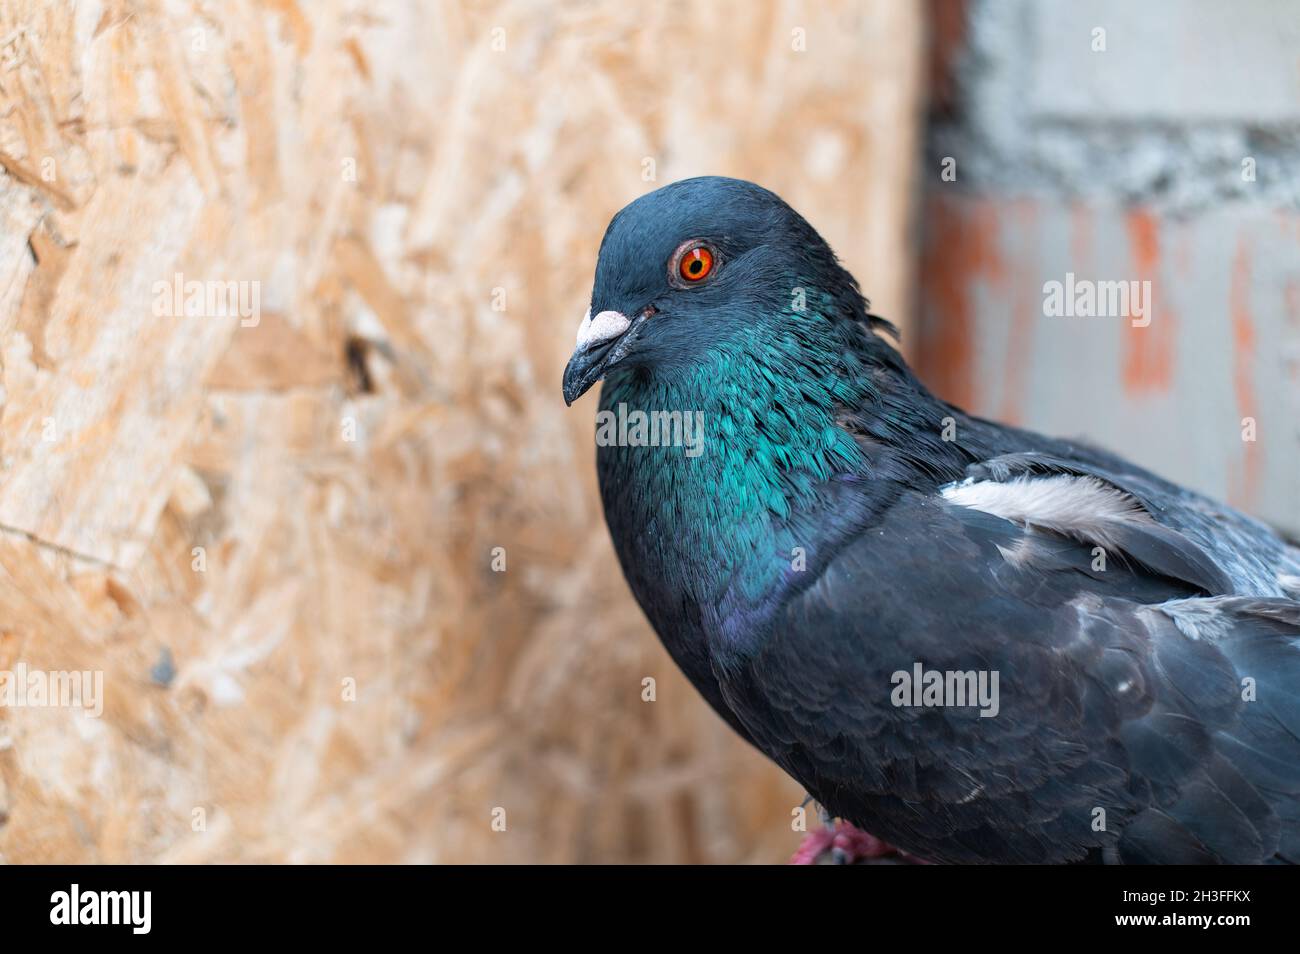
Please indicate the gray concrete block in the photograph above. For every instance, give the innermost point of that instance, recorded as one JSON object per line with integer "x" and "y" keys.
{"x": 1223, "y": 342}
{"x": 1171, "y": 61}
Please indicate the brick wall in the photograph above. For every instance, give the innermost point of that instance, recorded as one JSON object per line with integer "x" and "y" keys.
{"x": 1118, "y": 142}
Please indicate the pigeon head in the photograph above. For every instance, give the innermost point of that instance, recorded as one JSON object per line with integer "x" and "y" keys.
{"x": 699, "y": 264}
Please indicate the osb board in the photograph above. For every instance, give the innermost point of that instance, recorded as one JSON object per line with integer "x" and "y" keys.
{"x": 235, "y": 523}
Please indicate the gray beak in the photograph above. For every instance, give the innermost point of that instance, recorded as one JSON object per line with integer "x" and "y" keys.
{"x": 602, "y": 342}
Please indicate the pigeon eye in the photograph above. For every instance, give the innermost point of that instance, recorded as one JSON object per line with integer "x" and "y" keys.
{"x": 695, "y": 264}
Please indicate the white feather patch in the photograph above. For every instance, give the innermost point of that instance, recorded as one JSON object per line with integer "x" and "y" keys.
{"x": 1081, "y": 507}
{"x": 1200, "y": 618}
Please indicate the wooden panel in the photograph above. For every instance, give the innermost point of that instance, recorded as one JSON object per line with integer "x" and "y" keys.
{"x": 236, "y": 519}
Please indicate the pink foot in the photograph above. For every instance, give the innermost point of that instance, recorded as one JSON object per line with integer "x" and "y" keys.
{"x": 845, "y": 844}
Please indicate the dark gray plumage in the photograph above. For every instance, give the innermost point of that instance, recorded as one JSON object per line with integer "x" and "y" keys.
{"x": 831, "y": 536}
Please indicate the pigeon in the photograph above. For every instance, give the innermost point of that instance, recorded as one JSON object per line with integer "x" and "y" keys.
{"x": 977, "y": 643}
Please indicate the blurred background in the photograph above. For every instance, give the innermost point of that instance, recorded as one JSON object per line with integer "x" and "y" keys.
{"x": 339, "y": 557}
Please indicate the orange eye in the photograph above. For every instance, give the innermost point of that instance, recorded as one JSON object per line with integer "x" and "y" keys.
{"x": 696, "y": 264}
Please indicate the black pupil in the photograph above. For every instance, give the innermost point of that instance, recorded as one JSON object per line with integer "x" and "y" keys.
{"x": 696, "y": 266}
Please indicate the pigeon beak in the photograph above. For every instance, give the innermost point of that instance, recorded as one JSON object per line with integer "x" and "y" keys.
{"x": 602, "y": 342}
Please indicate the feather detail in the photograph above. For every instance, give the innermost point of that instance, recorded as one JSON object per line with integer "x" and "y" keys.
{"x": 1083, "y": 508}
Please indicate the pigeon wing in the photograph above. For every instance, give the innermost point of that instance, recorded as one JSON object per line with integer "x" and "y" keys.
{"x": 1123, "y": 728}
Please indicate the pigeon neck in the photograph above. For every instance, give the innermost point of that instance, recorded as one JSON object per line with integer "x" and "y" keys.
{"x": 775, "y": 474}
